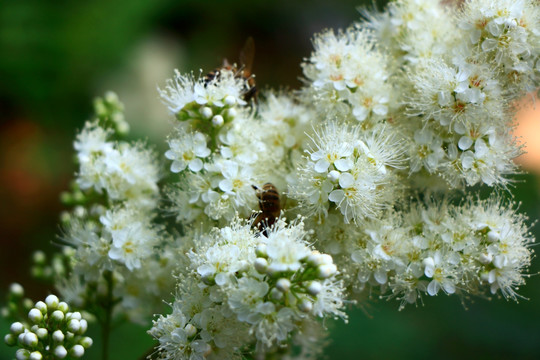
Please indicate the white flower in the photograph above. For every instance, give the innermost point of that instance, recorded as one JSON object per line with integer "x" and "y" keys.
{"x": 440, "y": 270}
{"x": 285, "y": 253}
{"x": 187, "y": 151}
{"x": 348, "y": 70}
{"x": 178, "y": 92}
{"x": 247, "y": 300}
{"x": 223, "y": 90}
{"x": 127, "y": 172}
{"x": 92, "y": 142}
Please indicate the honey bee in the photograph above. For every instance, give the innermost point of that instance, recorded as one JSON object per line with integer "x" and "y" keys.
{"x": 244, "y": 71}
{"x": 270, "y": 205}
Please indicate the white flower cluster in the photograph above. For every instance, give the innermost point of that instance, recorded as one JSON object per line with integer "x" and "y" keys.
{"x": 348, "y": 76}
{"x": 438, "y": 246}
{"x": 125, "y": 242}
{"x": 401, "y": 30}
{"x": 505, "y": 32}
{"x": 243, "y": 289}
{"x": 214, "y": 96}
{"x": 396, "y": 113}
{"x": 53, "y": 332}
{"x": 459, "y": 82}
{"x": 385, "y": 104}
{"x": 122, "y": 171}
{"x": 111, "y": 234}
{"x": 351, "y": 169}
{"x": 219, "y": 161}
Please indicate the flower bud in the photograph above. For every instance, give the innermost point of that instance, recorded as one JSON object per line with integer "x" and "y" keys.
{"x": 60, "y": 352}
{"x": 74, "y": 326}
{"x": 275, "y": 294}
{"x": 65, "y": 217}
{"x": 30, "y": 339}
{"x": 305, "y": 305}
{"x": 206, "y": 112}
{"x": 63, "y": 307}
{"x": 326, "y": 270}
{"x": 57, "y": 316}
{"x": 232, "y": 112}
{"x": 326, "y": 259}
{"x": 86, "y": 342}
{"x": 77, "y": 351}
{"x": 52, "y": 302}
{"x": 261, "y": 265}
{"x": 22, "y": 354}
{"x": 58, "y": 336}
{"x": 74, "y": 315}
{"x": 315, "y": 258}
{"x": 190, "y": 330}
{"x": 283, "y": 285}
{"x": 20, "y": 338}
{"x": 84, "y": 326}
{"x": 218, "y": 121}
{"x": 35, "y": 315}
{"x": 41, "y": 306}
{"x": 230, "y": 100}
{"x": 10, "y": 340}
{"x": 36, "y": 355}
{"x": 42, "y": 333}
{"x": 122, "y": 128}
{"x": 16, "y": 328}
{"x": 260, "y": 250}
{"x": 314, "y": 288}
{"x": 79, "y": 211}
{"x": 39, "y": 257}
{"x": 28, "y": 304}
{"x": 16, "y": 290}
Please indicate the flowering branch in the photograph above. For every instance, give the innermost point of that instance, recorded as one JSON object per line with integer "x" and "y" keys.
{"x": 372, "y": 158}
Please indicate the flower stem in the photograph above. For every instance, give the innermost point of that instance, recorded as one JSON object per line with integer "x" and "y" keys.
{"x": 106, "y": 323}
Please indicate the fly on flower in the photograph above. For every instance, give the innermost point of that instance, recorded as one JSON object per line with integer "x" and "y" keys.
{"x": 243, "y": 71}
{"x": 270, "y": 206}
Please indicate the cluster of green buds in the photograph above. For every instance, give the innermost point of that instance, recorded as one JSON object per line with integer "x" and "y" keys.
{"x": 17, "y": 305}
{"x": 56, "y": 267}
{"x": 51, "y": 332}
{"x": 110, "y": 113}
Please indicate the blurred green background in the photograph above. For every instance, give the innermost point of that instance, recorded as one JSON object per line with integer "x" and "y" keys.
{"x": 56, "y": 56}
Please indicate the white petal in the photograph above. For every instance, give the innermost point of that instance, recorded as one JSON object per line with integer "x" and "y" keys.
{"x": 433, "y": 288}
{"x": 343, "y": 164}
{"x": 480, "y": 148}
{"x": 465, "y": 142}
{"x": 226, "y": 185}
{"x": 380, "y": 110}
{"x": 467, "y": 160}
{"x": 321, "y": 166}
{"x": 360, "y": 113}
{"x": 346, "y": 180}
{"x": 202, "y": 151}
{"x": 380, "y": 276}
{"x": 195, "y": 165}
{"x": 177, "y": 166}
{"x": 429, "y": 271}
{"x": 336, "y": 196}
{"x": 449, "y": 287}
{"x": 169, "y": 154}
